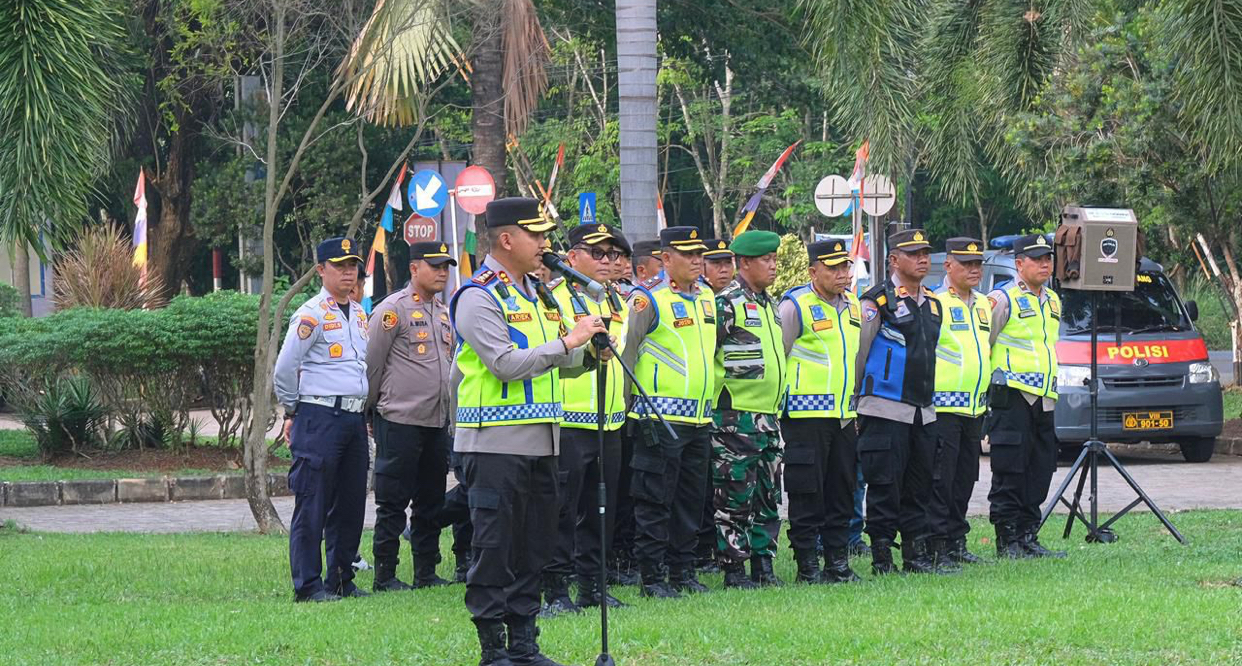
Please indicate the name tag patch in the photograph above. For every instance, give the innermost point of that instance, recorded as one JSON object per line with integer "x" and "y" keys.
{"x": 825, "y": 325}
{"x": 682, "y": 323}
{"x": 515, "y": 317}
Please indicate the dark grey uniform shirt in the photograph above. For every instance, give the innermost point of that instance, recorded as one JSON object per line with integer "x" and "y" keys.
{"x": 409, "y": 358}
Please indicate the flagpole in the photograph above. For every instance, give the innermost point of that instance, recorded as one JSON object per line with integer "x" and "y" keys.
{"x": 453, "y": 222}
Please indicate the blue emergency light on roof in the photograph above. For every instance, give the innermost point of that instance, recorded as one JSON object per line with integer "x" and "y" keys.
{"x": 1004, "y": 242}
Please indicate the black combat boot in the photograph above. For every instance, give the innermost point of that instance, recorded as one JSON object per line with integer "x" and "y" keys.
{"x": 655, "y": 583}
{"x": 685, "y": 580}
{"x": 463, "y": 567}
{"x": 882, "y": 557}
{"x": 492, "y": 643}
{"x": 1008, "y": 545}
{"x": 622, "y": 570}
{"x": 808, "y": 566}
{"x": 761, "y": 571}
{"x": 556, "y": 599}
{"x": 425, "y": 572}
{"x": 837, "y": 567}
{"x": 588, "y": 594}
{"x": 938, "y": 552}
{"x": 860, "y": 549}
{"x": 960, "y": 554}
{"x": 735, "y": 577}
{"x": 1029, "y": 541}
{"x": 523, "y": 646}
{"x": 386, "y": 579}
{"x": 914, "y": 556}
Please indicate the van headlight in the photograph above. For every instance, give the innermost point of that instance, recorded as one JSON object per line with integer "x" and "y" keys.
{"x": 1074, "y": 376}
{"x": 1203, "y": 373}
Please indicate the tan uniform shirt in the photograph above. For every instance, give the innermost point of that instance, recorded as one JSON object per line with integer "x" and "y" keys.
{"x": 409, "y": 358}
{"x": 1000, "y": 317}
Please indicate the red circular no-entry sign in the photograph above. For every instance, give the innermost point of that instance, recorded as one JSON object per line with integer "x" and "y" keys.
{"x": 418, "y": 229}
{"x": 474, "y": 188}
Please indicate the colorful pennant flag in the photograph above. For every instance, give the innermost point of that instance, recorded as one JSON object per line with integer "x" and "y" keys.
{"x": 661, "y": 221}
{"x": 394, "y": 202}
{"x": 465, "y": 263}
{"x": 753, "y": 205}
{"x": 140, "y": 224}
{"x": 378, "y": 247}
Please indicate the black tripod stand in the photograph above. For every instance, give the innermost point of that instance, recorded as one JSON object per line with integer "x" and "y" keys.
{"x": 1087, "y": 464}
{"x": 601, "y": 342}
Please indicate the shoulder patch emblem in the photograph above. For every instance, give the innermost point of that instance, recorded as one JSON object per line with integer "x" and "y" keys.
{"x": 870, "y": 311}
{"x": 305, "y": 331}
{"x": 389, "y": 320}
{"x": 641, "y": 303}
{"x": 992, "y": 301}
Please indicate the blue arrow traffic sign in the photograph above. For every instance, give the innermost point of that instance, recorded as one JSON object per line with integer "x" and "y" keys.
{"x": 428, "y": 193}
{"x": 586, "y": 208}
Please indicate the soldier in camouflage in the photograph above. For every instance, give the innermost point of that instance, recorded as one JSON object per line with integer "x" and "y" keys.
{"x": 746, "y": 440}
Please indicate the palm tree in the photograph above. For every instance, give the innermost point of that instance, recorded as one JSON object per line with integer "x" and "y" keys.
{"x": 636, "y": 90}
{"x": 60, "y": 88}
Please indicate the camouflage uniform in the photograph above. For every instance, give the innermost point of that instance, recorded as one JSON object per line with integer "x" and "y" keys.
{"x": 746, "y": 446}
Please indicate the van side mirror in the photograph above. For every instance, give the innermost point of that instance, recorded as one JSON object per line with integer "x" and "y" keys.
{"x": 1192, "y": 309}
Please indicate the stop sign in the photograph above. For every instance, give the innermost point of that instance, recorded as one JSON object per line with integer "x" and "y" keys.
{"x": 474, "y": 188}
{"x": 419, "y": 229}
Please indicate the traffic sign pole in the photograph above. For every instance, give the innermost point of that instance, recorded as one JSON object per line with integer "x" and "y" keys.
{"x": 456, "y": 251}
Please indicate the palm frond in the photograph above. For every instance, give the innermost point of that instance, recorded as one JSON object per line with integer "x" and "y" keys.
{"x": 404, "y": 46}
{"x": 526, "y": 55}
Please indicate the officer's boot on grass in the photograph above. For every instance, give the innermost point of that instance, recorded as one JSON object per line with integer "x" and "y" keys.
{"x": 808, "y": 566}
{"x": 1008, "y": 544}
{"x": 882, "y": 557}
{"x": 622, "y": 570}
{"x": 735, "y": 577}
{"x": 588, "y": 594}
{"x": 837, "y": 567}
{"x": 960, "y": 554}
{"x": 523, "y": 646}
{"x": 492, "y": 643}
{"x": 1030, "y": 543}
{"x": 939, "y": 552}
{"x": 425, "y": 572}
{"x": 655, "y": 583}
{"x": 685, "y": 580}
{"x": 556, "y": 599}
{"x": 386, "y": 579}
{"x": 463, "y": 567}
{"x": 762, "y": 572}
{"x": 916, "y": 557}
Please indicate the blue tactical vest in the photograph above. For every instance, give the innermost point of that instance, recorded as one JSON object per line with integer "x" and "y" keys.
{"x": 901, "y": 364}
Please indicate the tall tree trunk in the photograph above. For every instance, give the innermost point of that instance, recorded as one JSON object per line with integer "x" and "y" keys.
{"x": 21, "y": 275}
{"x": 172, "y": 241}
{"x": 487, "y": 120}
{"x": 636, "y": 91}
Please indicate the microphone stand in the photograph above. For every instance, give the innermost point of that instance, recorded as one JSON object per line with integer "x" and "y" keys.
{"x": 601, "y": 341}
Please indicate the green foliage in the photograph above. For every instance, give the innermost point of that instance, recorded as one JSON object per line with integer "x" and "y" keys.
{"x": 67, "y": 415}
{"x": 1214, "y": 312}
{"x": 791, "y": 265}
{"x": 10, "y": 301}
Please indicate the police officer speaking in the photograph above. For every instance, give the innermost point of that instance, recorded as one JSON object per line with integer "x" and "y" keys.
{"x": 320, "y": 380}
{"x": 746, "y": 437}
{"x": 1026, "y": 320}
{"x": 820, "y": 325}
{"x": 963, "y": 365}
{"x": 511, "y": 343}
{"x": 672, "y": 334}
{"x": 408, "y": 362}
{"x": 896, "y": 365}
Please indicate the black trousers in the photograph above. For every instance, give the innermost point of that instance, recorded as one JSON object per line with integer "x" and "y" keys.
{"x": 896, "y": 462}
{"x": 622, "y": 541}
{"x": 513, "y": 502}
{"x": 821, "y": 475}
{"x": 456, "y": 510}
{"x": 955, "y": 469}
{"x": 578, "y": 537}
{"x": 1023, "y": 443}
{"x": 411, "y": 467}
{"x": 329, "y": 483}
{"x": 669, "y": 490}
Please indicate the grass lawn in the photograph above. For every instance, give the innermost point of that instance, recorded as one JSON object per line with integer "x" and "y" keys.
{"x": 1232, "y": 399}
{"x": 122, "y": 599}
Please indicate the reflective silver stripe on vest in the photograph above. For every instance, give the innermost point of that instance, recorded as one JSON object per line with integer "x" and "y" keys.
{"x": 661, "y": 353}
{"x": 800, "y": 352}
{"x": 948, "y": 356}
{"x": 894, "y": 335}
{"x": 1009, "y": 340}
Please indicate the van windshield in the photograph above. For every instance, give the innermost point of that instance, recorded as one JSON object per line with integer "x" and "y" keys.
{"x": 1151, "y": 307}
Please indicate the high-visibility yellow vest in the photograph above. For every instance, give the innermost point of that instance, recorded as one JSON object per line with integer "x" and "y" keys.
{"x": 750, "y": 360}
{"x": 483, "y": 400}
{"x": 579, "y": 392}
{"x": 963, "y": 357}
{"x": 819, "y": 381}
{"x": 1026, "y": 348}
{"x": 675, "y": 359}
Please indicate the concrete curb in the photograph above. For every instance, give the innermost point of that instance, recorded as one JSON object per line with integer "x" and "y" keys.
{"x": 155, "y": 489}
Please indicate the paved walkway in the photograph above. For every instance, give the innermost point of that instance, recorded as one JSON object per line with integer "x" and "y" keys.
{"x": 207, "y": 424}
{"x": 1173, "y": 484}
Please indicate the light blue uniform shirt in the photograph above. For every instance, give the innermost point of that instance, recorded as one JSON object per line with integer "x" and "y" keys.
{"x": 324, "y": 353}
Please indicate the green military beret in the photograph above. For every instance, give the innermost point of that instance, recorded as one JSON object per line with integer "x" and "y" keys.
{"x": 755, "y": 243}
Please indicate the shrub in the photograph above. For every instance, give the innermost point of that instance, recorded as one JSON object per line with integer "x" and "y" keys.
{"x": 791, "y": 265}
{"x": 65, "y": 416}
{"x": 10, "y": 301}
{"x": 100, "y": 273}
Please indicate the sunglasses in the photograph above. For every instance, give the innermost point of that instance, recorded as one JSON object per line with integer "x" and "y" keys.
{"x": 599, "y": 255}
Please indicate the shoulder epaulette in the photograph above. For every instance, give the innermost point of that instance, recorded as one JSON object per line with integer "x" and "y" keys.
{"x": 556, "y": 283}
{"x": 651, "y": 282}
{"x": 484, "y": 277}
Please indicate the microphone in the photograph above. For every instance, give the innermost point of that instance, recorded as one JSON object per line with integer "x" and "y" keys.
{"x": 552, "y": 261}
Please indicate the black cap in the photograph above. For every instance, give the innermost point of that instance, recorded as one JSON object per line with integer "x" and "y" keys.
{"x": 432, "y": 252}
{"x": 830, "y": 252}
{"x": 685, "y": 239}
{"x": 717, "y": 249}
{"x": 337, "y": 250}
{"x": 647, "y": 248}
{"x": 591, "y": 234}
{"x": 1035, "y": 245}
{"x": 910, "y": 240}
{"x": 519, "y": 211}
{"x": 964, "y": 248}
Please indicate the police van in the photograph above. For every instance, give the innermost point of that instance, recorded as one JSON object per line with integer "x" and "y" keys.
{"x": 1157, "y": 382}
